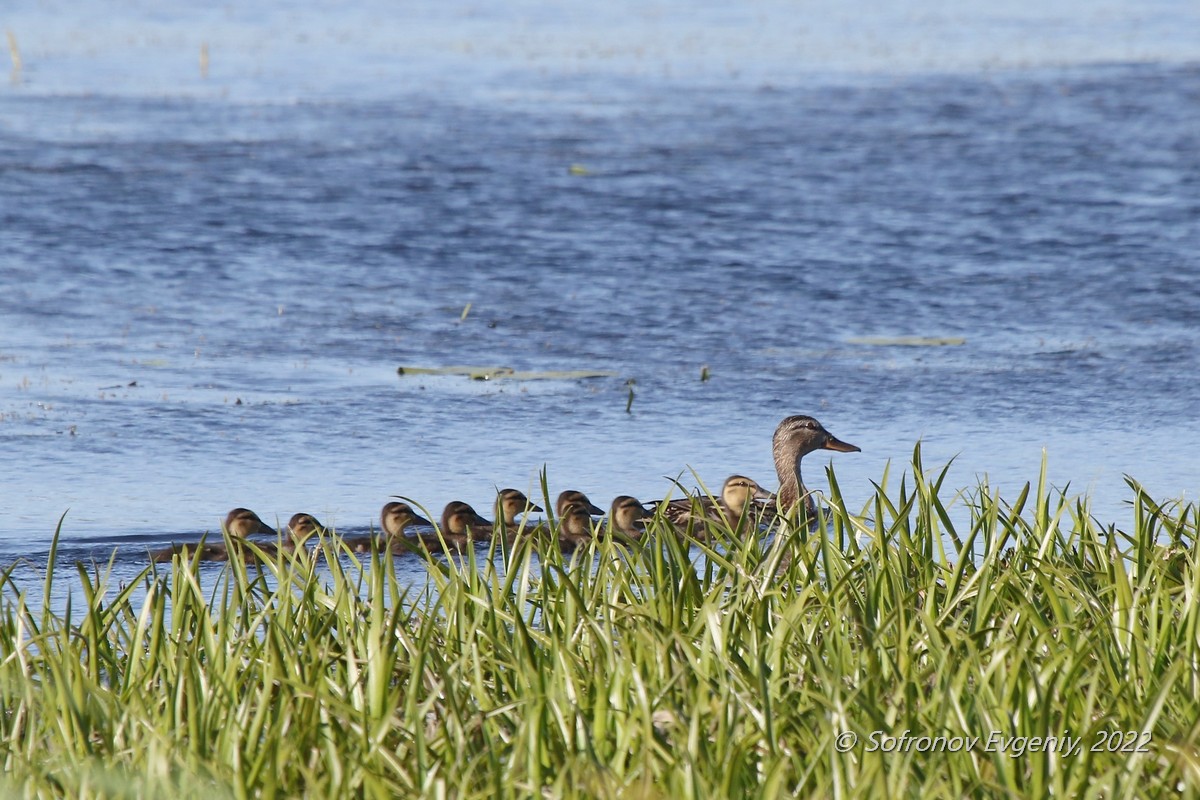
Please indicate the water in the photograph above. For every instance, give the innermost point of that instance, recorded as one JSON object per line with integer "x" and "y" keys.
{"x": 207, "y": 282}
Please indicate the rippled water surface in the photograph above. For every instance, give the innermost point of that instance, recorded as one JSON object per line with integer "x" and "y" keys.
{"x": 209, "y": 280}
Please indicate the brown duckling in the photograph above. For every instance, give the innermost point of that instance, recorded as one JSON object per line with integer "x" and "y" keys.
{"x": 738, "y": 501}
{"x": 302, "y": 526}
{"x": 794, "y": 438}
{"x": 627, "y": 515}
{"x": 394, "y": 520}
{"x": 562, "y": 505}
{"x": 459, "y": 529}
{"x": 240, "y": 523}
{"x": 572, "y": 497}
{"x": 509, "y": 504}
{"x": 397, "y": 517}
{"x": 575, "y": 526}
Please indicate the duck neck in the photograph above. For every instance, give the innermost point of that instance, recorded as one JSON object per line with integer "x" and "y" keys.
{"x": 791, "y": 486}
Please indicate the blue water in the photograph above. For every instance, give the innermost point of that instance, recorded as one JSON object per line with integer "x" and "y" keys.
{"x": 208, "y": 280}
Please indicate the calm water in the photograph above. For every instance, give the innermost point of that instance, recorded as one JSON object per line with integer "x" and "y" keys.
{"x": 208, "y": 281}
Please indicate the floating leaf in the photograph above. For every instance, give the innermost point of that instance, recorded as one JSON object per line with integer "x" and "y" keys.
{"x": 452, "y": 370}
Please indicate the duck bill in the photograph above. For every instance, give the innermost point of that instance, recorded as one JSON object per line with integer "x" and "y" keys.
{"x": 594, "y": 510}
{"x": 762, "y": 494}
{"x": 424, "y": 523}
{"x": 834, "y": 443}
{"x": 532, "y": 508}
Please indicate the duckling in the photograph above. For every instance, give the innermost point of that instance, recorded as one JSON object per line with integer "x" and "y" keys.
{"x": 396, "y": 517}
{"x": 394, "y": 520}
{"x": 575, "y": 526}
{"x": 302, "y": 526}
{"x": 571, "y": 497}
{"x": 736, "y": 503}
{"x": 240, "y": 523}
{"x": 243, "y": 523}
{"x": 459, "y": 529}
{"x": 794, "y": 438}
{"x": 509, "y": 504}
{"x": 626, "y": 517}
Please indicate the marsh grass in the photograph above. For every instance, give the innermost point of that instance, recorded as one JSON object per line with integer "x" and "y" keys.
{"x": 714, "y": 667}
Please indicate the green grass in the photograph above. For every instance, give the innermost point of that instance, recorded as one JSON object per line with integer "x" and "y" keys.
{"x": 727, "y": 669}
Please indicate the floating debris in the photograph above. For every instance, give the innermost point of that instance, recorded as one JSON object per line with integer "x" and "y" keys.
{"x": 508, "y": 373}
{"x": 909, "y": 341}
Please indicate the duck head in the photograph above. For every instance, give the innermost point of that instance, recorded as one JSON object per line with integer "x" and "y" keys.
{"x": 740, "y": 492}
{"x": 458, "y": 519}
{"x": 397, "y": 516}
{"x": 627, "y": 515}
{"x": 512, "y": 502}
{"x": 575, "y": 522}
{"x": 242, "y": 522}
{"x": 794, "y": 438}
{"x": 574, "y": 497}
{"x": 303, "y": 526}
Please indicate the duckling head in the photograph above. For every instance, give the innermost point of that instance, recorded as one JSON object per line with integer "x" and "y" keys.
{"x": 242, "y": 522}
{"x": 627, "y": 515}
{"x": 510, "y": 503}
{"x": 740, "y": 492}
{"x": 574, "y": 497}
{"x": 397, "y": 516}
{"x": 575, "y": 522}
{"x": 458, "y": 519}
{"x": 303, "y": 526}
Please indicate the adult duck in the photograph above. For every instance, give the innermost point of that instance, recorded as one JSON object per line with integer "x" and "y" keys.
{"x": 794, "y": 438}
